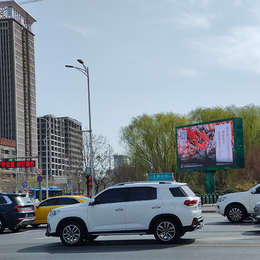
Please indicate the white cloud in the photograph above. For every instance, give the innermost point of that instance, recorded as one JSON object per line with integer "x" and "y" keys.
{"x": 196, "y": 21}
{"x": 188, "y": 21}
{"x": 184, "y": 72}
{"x": 82, "y": 31}
{"x": 238, "y": 50}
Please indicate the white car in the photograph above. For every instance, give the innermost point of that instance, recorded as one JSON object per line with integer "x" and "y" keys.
{"x": 166, "y": 209}
{"x": 238, "y": 206}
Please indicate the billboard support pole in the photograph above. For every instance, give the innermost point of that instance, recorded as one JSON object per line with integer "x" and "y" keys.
{"x": 209, "y": 181}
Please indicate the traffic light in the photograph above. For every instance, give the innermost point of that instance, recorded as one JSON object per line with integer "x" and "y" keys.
{"x": 89, "y": 181}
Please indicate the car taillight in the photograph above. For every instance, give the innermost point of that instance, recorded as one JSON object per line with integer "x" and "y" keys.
{"x": 18, "y": 208}
{"x": 22, "y": 208}
{"x": 190, "y": 202}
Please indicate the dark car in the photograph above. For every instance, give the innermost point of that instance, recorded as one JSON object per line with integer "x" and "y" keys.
{"x": 16, "y": 211}
{"x": 256, "y": 214}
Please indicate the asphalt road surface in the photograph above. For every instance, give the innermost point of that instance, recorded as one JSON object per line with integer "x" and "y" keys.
{"x": 218, "y": 239}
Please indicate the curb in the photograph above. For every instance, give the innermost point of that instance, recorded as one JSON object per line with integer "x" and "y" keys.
{"x": 208, "y": 208}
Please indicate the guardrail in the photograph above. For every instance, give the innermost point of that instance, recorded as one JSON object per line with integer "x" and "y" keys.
{"x": 209, "y": 198}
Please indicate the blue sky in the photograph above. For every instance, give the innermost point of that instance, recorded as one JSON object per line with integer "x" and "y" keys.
{"x": 144, "y": 56}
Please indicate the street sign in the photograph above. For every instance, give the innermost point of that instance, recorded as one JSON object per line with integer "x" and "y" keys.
{"x": 39, "y": 178}
{"x": 39, "y": 171}
{"x": 25, "y": 190}
{"x": 160, "y": 177}
{"x": 25, "y": 184}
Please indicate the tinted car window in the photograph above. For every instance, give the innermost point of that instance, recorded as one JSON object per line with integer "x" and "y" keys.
{"x": 21, "y": 200}
{"x": 112, "y": 196}
{"x": 142, "y": 193}
{"x": 257, "y": 190}
{"x": 178, "y": 192}
{"x": 2, "y": 200}
{"x": 50, "y": 202}
{"x": 66, "y": 201}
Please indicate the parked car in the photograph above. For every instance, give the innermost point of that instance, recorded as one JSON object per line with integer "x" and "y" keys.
{"x": 43, "y": 208}
{"x": 16, "y": 211}
{"x": 166, "y": 209}
{"x": 238, "y": 206}
{"x": 256, "y": 214}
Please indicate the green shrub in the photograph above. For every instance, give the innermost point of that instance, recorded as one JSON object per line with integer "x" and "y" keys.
{"x": 230, "y": 190}
{"x": 219, "y": 192}
{"x": 198, "y": 191}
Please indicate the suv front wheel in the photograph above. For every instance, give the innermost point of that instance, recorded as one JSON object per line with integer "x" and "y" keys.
{"x": 236, "y": 213}
{"x": 72, "y": 233}
{"x": 166, "y": 231}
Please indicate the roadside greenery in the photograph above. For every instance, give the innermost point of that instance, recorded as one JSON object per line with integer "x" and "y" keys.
{"x": 151, "y": 145}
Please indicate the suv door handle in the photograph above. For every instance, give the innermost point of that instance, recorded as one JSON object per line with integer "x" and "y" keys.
{"x": 156, "y": 207}
{"x": 119, "y": 209}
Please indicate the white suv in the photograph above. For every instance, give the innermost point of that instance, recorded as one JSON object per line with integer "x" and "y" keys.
{"x": 238, "y": 206}
{"x": 166, "y": 209}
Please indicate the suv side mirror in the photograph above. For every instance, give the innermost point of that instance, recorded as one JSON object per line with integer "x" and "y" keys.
{"x": 92, "y": 202}
{"x": 253, "y": 191}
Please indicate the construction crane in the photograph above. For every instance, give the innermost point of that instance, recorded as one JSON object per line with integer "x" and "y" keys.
{"x": 29, "y": 1}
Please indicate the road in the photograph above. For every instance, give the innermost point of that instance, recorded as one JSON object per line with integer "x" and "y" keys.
{"x": 218, "y": 239}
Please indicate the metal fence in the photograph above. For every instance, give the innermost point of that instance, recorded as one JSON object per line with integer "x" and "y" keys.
{"x": 209, "y": 198}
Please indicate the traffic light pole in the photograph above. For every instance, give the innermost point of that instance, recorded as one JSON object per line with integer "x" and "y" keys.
{"x": 89, "y": 184}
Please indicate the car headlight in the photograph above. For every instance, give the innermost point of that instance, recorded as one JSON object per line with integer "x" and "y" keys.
{"x": 54, "y": 213}
{"x": 222, "y": 198}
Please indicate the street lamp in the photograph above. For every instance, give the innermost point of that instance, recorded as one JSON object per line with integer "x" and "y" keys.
{"x": 47, "y": 161}
{"x": 85, "y": 71}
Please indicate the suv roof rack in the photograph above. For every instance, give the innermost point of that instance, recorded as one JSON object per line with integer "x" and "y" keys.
{"x": 134, "y": 182}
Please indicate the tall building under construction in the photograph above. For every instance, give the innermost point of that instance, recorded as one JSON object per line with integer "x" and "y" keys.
{"x": 18, "y": 122}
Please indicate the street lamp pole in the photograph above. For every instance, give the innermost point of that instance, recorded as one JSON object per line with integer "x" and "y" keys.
{"x": 85, "y": 71}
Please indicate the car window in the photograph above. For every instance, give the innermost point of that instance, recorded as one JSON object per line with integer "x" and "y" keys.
{"x": 66, "y": 201}
{"x": 257, "y": 190}
{"x": 50, "y": 202}
{"x": 21, "y": 200}
{"x": 2, "y": 200}
{"x": 178, "y": 192}
{"x": 142, "y": 193}
{"x": 112, "y": 196}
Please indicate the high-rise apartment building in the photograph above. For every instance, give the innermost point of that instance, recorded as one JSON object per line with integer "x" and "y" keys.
{"x": 61, "y": 152}
{"x": 73, "y": 145}
{"x": 18, "y": 120}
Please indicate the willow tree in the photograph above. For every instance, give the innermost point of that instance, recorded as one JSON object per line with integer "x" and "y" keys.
{"x": 151, "y": 142}
{"x": 200, "y": 114}
{"x": 251, "y": 125}
{"x": 250, "y": 115}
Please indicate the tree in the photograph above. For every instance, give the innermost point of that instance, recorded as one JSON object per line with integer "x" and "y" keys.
{"x": 127, "y": 171}
{"x": 102, "y": 160}
{"x": 150, "y": 141}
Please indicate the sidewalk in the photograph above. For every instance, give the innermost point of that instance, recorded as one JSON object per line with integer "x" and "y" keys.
{"x": 208, "y": 208}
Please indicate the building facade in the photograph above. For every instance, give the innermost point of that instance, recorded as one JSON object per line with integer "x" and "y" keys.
{"x": 73, "y": 145}
{"x": 7, "y": 150}
{"x": 60, "y": 154}
{"x": 18, "y": 120}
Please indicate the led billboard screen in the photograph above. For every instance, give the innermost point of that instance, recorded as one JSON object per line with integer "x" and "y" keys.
{"x": 17, "y": 164}
{"x": 210, "y": 145}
